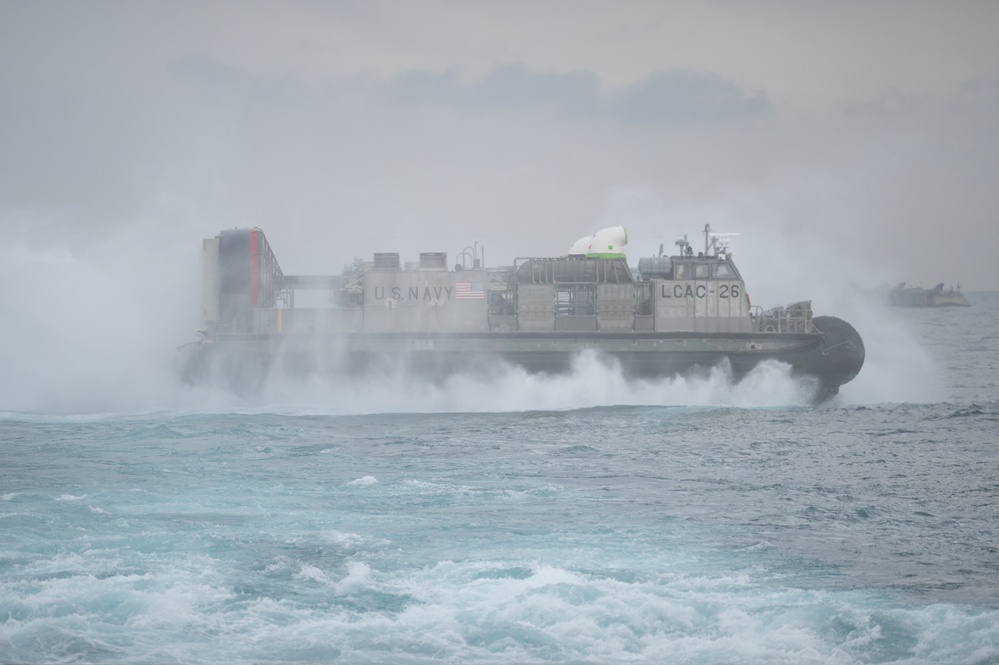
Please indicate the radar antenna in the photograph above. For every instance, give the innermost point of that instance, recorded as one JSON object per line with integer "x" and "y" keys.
{"x": 718, "y": 241}
{"x": 682, "y": 244}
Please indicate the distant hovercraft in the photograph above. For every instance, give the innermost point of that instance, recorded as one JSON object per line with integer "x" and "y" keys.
{"x": 914, "y": 296}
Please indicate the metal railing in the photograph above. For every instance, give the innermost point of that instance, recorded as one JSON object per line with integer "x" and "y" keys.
{"x": 793, "y": 318}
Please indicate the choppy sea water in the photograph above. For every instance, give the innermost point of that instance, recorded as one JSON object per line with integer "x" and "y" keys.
{"x": 523, "y": 520}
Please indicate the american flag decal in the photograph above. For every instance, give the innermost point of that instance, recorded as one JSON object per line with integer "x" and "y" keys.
{"x": 469, "y": 291}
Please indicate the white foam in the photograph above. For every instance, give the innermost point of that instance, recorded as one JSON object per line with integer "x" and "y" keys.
{"x": 592, "y": 382}
{"x": 310, "y": 572}
{"x": 357, "y": 577}
{"x": 186, "y": 608}
{"x": 364, "y": 480}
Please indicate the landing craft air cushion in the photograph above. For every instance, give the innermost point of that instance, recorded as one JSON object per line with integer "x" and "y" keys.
{"x": 673, "y": 315}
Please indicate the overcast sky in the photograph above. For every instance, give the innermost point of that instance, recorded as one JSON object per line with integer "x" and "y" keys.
{"x": 343, "y": 128}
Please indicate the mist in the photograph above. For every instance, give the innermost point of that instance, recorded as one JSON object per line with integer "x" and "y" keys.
{"x": 93, "y": 322}
{"x": 97, "y": 322}
{"x": 100, "y": 317}
{"x": 129, "y": 133}
{"x": 592, "y": 382}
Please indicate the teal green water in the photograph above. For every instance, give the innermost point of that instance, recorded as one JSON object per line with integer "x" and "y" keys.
{"x": 753, "y": 532}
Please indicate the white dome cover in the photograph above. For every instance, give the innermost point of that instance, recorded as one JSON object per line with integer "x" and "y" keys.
{"x": 581, "y": 247}
{"x": 608, "y": 243}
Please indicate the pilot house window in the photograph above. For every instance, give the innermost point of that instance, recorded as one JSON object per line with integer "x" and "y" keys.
{"x": 724, "y": 271}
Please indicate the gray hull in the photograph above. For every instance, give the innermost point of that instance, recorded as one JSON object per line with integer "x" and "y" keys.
{"x": 833, "y": 357}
